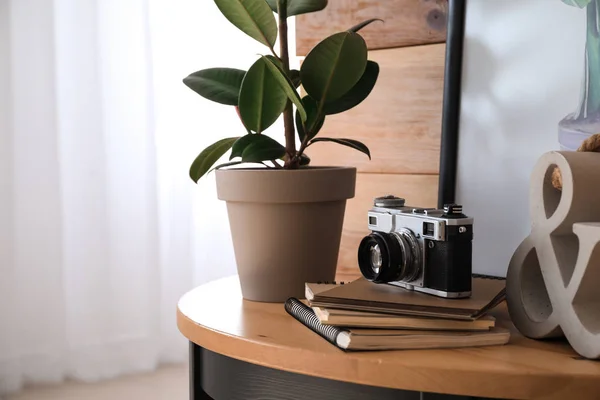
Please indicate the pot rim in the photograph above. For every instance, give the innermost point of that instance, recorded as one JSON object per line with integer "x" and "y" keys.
{"x": 305, "y": 185}
{"x": 301, "y": 169}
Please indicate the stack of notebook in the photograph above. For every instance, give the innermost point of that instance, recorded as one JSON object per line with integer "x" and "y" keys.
{"x": 361, "y": 315}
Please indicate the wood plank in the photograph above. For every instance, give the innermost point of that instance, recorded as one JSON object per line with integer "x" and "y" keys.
{"x": 407, "y": 22}
{"x": 400, "y": 121}
{"x": 418, "y": 190}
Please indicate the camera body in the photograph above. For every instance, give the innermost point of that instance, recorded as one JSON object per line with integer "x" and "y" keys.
{"x": 422, "y": 249}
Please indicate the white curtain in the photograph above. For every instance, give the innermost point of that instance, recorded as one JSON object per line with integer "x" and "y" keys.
{"x": 101, "y": 230}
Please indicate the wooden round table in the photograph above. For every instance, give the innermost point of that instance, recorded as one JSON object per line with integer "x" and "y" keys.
{"x": 246, "y": 350}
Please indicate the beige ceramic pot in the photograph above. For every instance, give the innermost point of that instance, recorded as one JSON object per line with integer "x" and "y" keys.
{"x": 286, "y": 226}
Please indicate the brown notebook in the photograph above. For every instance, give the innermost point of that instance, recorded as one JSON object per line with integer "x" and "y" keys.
{"x": 361, "y": 319}
{"x": 397, "y": 339}
{"x": 362, "y": 295}
{"x": 370, "y": 339}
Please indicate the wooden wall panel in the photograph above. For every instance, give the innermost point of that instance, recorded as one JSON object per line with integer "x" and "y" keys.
{"x": 400, "y": 121}
{"x": 419, "y": 190}
{"x": 407, "y": 22}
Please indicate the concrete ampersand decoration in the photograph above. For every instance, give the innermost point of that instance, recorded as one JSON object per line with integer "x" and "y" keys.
{"x": 553, "y": 277}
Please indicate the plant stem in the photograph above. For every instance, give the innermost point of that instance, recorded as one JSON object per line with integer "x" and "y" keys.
{"x": 276, "y": 164}
{"x": 288, "y": 113}
{"x": 309, "y": 134}
{"x": 303, "y": 147}
{"x": 273, "y": 52}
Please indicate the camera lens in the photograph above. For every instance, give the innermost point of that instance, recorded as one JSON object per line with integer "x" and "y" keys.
{"x": 385, "y": 257}
{"x": 410, "y": 267}
{"x": 376, "y": 258}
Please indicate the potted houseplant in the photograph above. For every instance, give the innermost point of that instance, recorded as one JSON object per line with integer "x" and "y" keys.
{"x": 285, "y": 216}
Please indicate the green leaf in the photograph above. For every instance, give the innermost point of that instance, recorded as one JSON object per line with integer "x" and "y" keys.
{"x": 334, "y": 66}
{"x": 263, "y": 148}
{"x": 313, "y": 124}
{"x": 304, "y": 160}
{"x": 358, "y": 27}
{"x": 273, "y": 5}
{"x": 300, "y": 127}
{"x": 221, "y": 85}
{"x": 274, "y": 60}
{"x": 355, "y": 144}
{"x": 286, "y": 85}
{"x": 229, "y": 164}
{"x": 297, "y": 7}
{"x": 357, "y": 94}
{"x": 241, "y": 144}
{"x": 261, "y": 98}
{"x": 295, "y": 77}
{"x": 253, "y": 17}
{"x": 577, "y": 3}
{"x": 209, "y": 157}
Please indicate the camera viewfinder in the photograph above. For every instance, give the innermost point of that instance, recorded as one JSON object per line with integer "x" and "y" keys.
{"x": 428, "y": 229}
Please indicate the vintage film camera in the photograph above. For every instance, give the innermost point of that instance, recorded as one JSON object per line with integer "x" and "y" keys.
{"x": 427, "y": 250}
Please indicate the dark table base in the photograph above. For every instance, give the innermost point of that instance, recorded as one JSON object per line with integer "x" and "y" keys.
{"x": 217, "y": 377}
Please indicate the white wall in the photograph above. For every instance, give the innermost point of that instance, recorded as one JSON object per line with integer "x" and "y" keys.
{"x": 522, "y": 72}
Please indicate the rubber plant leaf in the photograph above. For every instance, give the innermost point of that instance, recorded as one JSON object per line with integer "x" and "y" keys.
{"x": 221, "y": 85}
{"x": 358, "y": 27}
{"x": 253, "y": 17}
{"x": 263, "y": 148}
{"x": 295, "y": 77}
{"x": 355, "y": 144}
{"x": 297, "y": 7}
{"x": 286, "y": 84}
{"x": 334, "y": 66}
{"x": 261, "y": 98}
{"x": 229, "y": 164}
{"x": 241, "y": 144}
{"x": 209, "y": 156}
{"x": 313, "y": 123}
{"x": 304, "y": 160}
{"x": 357, "y": 94}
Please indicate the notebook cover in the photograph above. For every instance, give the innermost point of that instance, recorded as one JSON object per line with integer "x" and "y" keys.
{"x": 412, "y": 311}
{"x": 314, "y": 289}
{"x": 417, "y": 339}
{"x": 372, "y": 339}
{"x": 367, "y": 296}
{"x": 354, "y": 319}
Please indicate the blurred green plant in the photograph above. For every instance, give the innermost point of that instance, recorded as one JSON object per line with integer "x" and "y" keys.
{"x": 336, "y": 76}
{"x": 589, "y": 105}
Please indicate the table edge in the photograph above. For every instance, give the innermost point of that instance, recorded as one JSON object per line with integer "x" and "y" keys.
{"x": 285, "y": 359}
